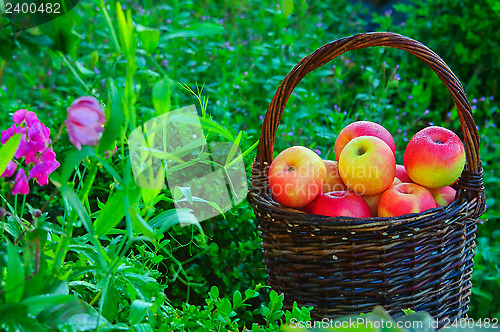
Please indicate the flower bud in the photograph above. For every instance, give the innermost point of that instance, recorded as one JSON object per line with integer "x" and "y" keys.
{"x": 85, "y": 122}
{"x": 36, "y": 213}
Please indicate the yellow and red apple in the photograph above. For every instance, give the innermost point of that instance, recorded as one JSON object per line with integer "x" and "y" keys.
{"x": 340, "y": 204}
{"x": 367, "y": 165}
{"x": 296, "y": 176}
{"x": 402, "y": 175}
{"x": 405, "y": 198}
{"x": 443, "y": 196}
{"x": 374, "y": 200}
{"x": 333, "y": 180}
{"x": 362, "y": 128}
{"x": 434, "y": 157}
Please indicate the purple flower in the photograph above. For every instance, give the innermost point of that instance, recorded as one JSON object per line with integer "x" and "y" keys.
{"x": 21, "y": 183}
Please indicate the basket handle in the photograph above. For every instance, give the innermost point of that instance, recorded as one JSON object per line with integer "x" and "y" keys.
{"x": 328, "y": 52}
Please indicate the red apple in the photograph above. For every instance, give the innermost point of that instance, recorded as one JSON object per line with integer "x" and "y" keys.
{"x": 362, "y": 128}
{"x": 296, "y": 176}
{"x": 374, "y": 200}
{"x": 443, "y": 196}
{"x": 367, "y": 165}
{"x": 434, "y": 157}
{"x": 333, "y": 180}
{"x": 402, "y": 175}
{"x": 341, "y": 204}
{"x": 405, "y": 198}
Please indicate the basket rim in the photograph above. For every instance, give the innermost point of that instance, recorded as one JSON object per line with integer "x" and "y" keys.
{"x": 278, "y": 212}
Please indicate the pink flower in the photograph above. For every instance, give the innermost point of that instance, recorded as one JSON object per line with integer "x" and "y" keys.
{"x": 42, "y": 170}
{"x": 34, "y": 147}
{"x": 85, "y": 122}
{"x": 7, "y": 134}
{"x": 46, "y": 164}
{"x": 20, "y": 183}
{"x": 23, "y": 115}
{"x": 9, "y": 170}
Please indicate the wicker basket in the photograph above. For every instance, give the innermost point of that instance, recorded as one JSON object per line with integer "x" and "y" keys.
{"x": 346, "y": 265}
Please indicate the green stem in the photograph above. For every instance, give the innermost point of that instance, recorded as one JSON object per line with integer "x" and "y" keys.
{"x": 73, "y": 70}
{"x": 2, "y": 69}
{"x": 89, "y": 181}
{"x": 94, "y": 300}
{"x": 103, "y": 9}
{"x": 62, "y": 247}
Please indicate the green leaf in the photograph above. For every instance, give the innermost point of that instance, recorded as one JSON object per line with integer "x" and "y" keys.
{"x": 273, "y": 296}
{"x": 83, "y": 70}
{"x": 287, "y": 7}
{"x": 195, "y": 30}
{"x": 237, "y": 299}
{"x": 56, "y": 59}
{"x": 138, "y": 311}
{"x": 169, "y": 218}
{"x": 8, "y": 150}
{"x": 75, "y": 202}
{"x": 14, "y": 281}
{"x": 123, "y": 30}
{"x": 211, "y": 125}
{"x": 162, "y": 91}
{"x": 140, "y": 225}
{"x": 244, "y": 154}
{"x": 214, "y": 293}
{"x": 149, "y": 37}
{"x": 234, "y": 148}
{"x": 38, "y": 303}
{"x": 179, "y": 192}
{"x": 112, "y": 214}
{"x": 250, "y": 293}
{"x": 224, "y": 305}
{"x": 115, "y": 116}
{"x": 149, "y": 194}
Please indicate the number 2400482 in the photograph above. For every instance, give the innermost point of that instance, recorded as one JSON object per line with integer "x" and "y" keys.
{"x": 32, "y": 8}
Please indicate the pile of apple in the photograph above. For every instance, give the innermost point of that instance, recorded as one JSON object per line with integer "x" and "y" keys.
{"x": 365, "y": 180}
